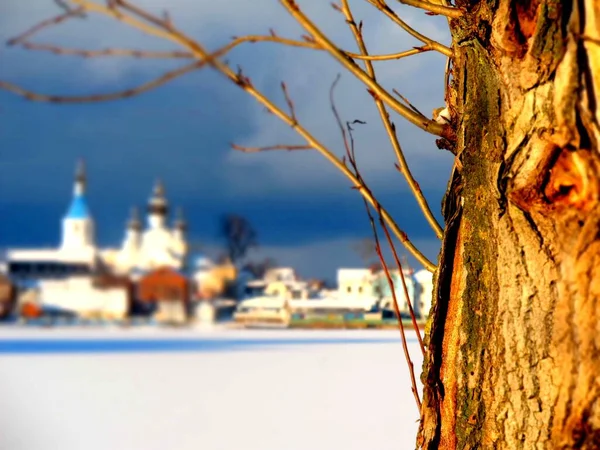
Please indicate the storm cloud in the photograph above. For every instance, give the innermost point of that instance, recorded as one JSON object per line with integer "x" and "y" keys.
{"x": 302, "y": 207}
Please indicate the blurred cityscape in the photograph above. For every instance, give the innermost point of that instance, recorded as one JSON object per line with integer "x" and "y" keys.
{"x": 157, "y": 277}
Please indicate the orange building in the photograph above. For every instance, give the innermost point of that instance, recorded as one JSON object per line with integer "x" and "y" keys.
{"x": 170, "y": 290}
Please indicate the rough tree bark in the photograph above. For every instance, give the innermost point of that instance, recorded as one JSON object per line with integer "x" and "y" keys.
{"x": 515, "y": 332}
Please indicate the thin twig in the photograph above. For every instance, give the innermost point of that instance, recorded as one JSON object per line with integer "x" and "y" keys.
{"x": 289, "y": 102}
{"x": 391, "y": 56}
{"x": 404, "y": 286}
{"x": 348, "y": 140}
{"x": 252, "y": 38}
{"x": 306, "y": 43}
{"x": 405, "y": 100}
{"x": 45, "y": 24}
{"x": 411, "y": 366}
{"x": 391, "y": 129}
{"x": 272, "y": 147}
{"x": 309, "y": 42}
{"x": 62, "y": 4}
{"x": 590, "y": 39}
{"x": 352, "y": 160}
{"x": 363, "y": 48}
{"x": 161, "y": 22}
{"x": 106, "y": 52}
{"x": 442, "y": 10}
{"x": 422, "y": 122}
{"x": 382, "y": 6}
{"x": 338, "y": 119}
{"x": 30, "y": 95}
{"x": 350, "y": 129}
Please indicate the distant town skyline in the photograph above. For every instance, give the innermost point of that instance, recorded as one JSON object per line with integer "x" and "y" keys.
{"x": 305, "y": 213}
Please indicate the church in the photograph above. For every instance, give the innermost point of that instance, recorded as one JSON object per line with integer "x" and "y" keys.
{"x": 143, "y": 249}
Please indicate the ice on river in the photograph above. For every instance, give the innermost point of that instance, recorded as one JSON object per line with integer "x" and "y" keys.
{"x": 219, "y": 389}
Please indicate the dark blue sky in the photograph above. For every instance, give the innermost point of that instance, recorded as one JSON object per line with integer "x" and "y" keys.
{"x": 304, "y": 211}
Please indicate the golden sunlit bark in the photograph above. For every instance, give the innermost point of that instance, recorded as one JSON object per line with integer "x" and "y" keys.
{"x": 514, "y": 343}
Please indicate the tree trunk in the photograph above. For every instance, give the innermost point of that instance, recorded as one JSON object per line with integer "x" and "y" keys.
{"x": 514, "y": 347}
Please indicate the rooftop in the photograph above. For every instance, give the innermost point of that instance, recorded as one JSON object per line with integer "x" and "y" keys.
{"x": 78, "y": 208}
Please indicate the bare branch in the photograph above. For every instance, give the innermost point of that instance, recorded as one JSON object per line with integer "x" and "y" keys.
{"x": 272, "y": 147}
{"x": 289, "y": 102}
{"x": 349, "y": 149}
{"x": 391, "y": 129}
{"x": 405, "y": 100}
{"x": 392, "y": 56}
{"x": 442, "y": 10}
{"x": 411, "y": 366}
{"x": 382, "y": 6}
{"x": 157, "y": 27}
{"x": 421, "y": 121}
{"x": 252, "y": 38}
{"x": 350, "y": 130}
{"x": 164, "y": 22}
{"x": 404, "y": 287}
{"x": 30, "y": 95}
{"x": 167, "y": 19}
{"x": 309, "y": 42}
{"x": 62, "y": 4}
{"x": 351, "y": 157}
{"x": 149, "y": 23}
{"x": 591, "y": 39}
{"x": 106, "y": 52}
{"x": 45, "y": 24}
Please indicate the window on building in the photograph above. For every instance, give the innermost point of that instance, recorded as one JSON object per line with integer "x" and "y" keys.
{"x": 349, "y": 289}
{"x": 360, "y": 289}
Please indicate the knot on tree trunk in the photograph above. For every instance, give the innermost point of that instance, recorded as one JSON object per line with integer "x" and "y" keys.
{"x": 573, "y": 181}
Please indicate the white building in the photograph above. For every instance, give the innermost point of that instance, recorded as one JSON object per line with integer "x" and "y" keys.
{"x": 64, "y": 274}
{"x": 79, "y": 295}
{"x": 355, "y": 283}
{"x": 383, "y": 290}
{"x": 76, "y": 255}
{"x": 424, "y": 291}
{"x": 157, "y": 245}
{"x": 78, "y": 237}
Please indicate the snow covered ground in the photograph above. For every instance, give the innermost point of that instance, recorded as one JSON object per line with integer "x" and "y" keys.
{"x": 215, "y": 389}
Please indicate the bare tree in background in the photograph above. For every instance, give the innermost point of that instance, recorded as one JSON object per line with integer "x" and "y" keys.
{"x": 513, "y": 348}
{"x": 366, "y": 249}
{"x": 239, "y": 236}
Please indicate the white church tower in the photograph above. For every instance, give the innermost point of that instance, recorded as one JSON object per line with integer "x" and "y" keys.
{"x": 179, "y": 235}
{"x": 157, "y": 240}
{"x": 158, "y": 208}
{"x": 133, "y": 233}
{"x": 180, "y": 226}
{"x": 78, "y": 225}
{"x": 129, "y": 253}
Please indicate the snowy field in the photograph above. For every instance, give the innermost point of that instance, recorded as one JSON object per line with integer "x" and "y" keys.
{"x": 218, "y": 389}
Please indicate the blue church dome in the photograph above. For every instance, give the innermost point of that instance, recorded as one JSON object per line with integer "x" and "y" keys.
{"x": 78, "y": 208}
